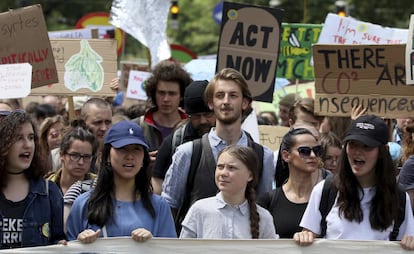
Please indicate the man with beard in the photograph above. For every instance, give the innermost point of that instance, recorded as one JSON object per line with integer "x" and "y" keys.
{"x": 200, "y": 121}
{"x": 190, "y": 178}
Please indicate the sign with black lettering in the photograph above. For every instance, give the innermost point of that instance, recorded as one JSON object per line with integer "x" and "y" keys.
{"x": 24, "y": 39}
{"x": 369, "y": 75}
{"x": 295, "y": 58}
{"x": 249, "y": 43}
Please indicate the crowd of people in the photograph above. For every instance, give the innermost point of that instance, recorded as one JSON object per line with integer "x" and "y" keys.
{"x": 185, "y": 167}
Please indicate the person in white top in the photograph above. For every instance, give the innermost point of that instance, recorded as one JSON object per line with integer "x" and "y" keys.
{"x": 367, "y": 199}
{"x": 232, "y": 213}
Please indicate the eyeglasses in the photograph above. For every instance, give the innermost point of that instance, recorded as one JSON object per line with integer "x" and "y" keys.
{"x": 78, "y": 156}
{"x": 305, "y": 151}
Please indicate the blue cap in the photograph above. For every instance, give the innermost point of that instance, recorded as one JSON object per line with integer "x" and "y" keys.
{"x": 125, "y": 133}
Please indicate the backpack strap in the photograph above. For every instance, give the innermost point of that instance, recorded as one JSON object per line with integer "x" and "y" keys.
{"x": 401, "y": 215}
{"x": 177, "y": 138}
{"x": 195, "y": 158}
{"x": 328, "y": 197}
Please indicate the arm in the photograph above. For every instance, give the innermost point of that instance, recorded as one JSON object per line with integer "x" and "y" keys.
{"x": 174, "y": 186}
{"x": 76, "y": 222}
{"x": 265, "y": 182}
{"x": 56, "y": 206}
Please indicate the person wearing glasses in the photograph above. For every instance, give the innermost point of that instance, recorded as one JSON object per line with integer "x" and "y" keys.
{"x": 367, "y": 202}
{"x": 299, "y": 162}
{"x": 77, "y": 151}
{"x": 331, "y": 150}
{"x": 31, "y": 208}
{"x": 122, "y": 202}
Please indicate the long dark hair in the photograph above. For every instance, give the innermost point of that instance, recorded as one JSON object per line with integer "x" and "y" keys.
{"x": 9, "y": 126}
{"x": 250, "y": 159}
{"x": 384, "y": 205}
{"x": 288, "y": 141}
{"x": 100, "y": 205}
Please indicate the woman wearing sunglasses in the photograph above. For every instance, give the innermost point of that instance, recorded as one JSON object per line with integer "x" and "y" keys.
{"x": 368, "y": 202}
{"x": 31, "y": 208}
{"x": 299, "y": 161}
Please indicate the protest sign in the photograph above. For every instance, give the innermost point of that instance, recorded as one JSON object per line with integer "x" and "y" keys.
{"x": 15, "y": 80}
{"x": 249, "y": 43}
{"x": 24, "y": 39}
{"x": 295, "y": 58}
{"x": 409, "y": 54}
{"x": 369, "y": 75}
{"x": 136, "y": 85}
{"x": 84, "y": 33}
{"x": 347, "y": 30}
{"x": 207, "y": 246}
{"x": 271, "y": 136}
{"x": 85, "y": 67}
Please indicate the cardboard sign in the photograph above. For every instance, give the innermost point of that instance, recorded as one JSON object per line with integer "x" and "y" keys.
{"x": 271, "y": 136}
{"x": 15, "y": 80}
{"x": 249, "y": 43}
{"x": 347, "y": 30}
{"x": 295, "y": 58}
{"x": 409, "y": 54}
{"x": 126, "y": 67}
{"x": 136, "y": 85}
{"x": 85, "y": 33}
{"x": 24, "y": 39}
{"x": 369, "y": 75}
{"x": 92, "y": 79}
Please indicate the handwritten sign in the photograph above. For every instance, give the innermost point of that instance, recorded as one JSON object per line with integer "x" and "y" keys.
{"x": 251, "y": 45}
{"x": 126, "y": 67}
{"x": 295, "y": 58}
{"x": 64, "y": 49}
{"x": 136, "y": 85}
{"x": 24, "y": 39}
{"x": 409, "y": 54}
{"x": 85, "y": 33}
{"x": 271, "y": 136}
{"x": 15, "y": 80}
{"x": 369, "y": 75}
{"x": 346, "y": 30}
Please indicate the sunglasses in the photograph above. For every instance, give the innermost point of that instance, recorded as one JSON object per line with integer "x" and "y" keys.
{"x": 305, "y": 151}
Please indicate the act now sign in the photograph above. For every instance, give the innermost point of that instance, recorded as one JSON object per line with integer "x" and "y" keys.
{"x": 249, "y": 43}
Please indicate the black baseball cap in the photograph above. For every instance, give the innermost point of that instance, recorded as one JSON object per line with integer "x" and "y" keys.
{"x": 371, "y": 130}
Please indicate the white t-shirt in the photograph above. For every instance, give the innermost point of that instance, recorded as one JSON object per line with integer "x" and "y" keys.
{"x": 341, "y": 228}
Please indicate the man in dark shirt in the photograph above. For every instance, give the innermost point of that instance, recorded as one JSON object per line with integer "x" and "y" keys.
{"x": 200, "y": 120}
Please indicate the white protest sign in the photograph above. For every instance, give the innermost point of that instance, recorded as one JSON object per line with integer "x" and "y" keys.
{"x": 346, "y": 30}
{"x": 84, "y": 33}
{"x": 136, "y": 84}
{"x": 15, "y": 80}
{"x": 409, "y": 54}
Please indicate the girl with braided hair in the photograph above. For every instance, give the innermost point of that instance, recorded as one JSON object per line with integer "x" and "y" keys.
{"x": 233, "y": 212}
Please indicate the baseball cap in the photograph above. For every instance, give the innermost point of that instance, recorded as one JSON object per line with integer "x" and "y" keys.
{"x": 370, "y": 130}
{"x": 125, "y": 133}
{"x": 194, "y": 97}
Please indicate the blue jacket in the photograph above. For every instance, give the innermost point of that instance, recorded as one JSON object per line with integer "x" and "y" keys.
{"x": 43, "y": 216}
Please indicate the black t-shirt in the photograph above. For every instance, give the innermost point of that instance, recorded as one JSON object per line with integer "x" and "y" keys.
{"x": 286, "y": 214}
{"x": 12, "y": 222}
{"x": 164, "y": 156}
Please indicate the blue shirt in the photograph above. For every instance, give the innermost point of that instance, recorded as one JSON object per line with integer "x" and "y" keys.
{"x": 174, "y": 186}
{"x": 128, "y": 216}
{"x": 213, "y": 218}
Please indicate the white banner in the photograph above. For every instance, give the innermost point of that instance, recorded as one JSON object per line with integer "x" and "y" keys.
{"x": 200, "y": 246}
{"x": 347, "y": 30}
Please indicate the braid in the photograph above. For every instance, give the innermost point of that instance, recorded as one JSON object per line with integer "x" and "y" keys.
{"x": 254, "y": 215}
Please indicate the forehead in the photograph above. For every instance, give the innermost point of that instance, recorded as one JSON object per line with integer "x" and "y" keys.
{"x": 172, "y": 86}
{"x": 99, "y": 112}
{"x": 305, "y": 139}
{"x": 227, "y": 86}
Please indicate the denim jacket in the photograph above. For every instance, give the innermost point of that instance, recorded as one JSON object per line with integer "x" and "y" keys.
{"x": 43, "y": 215}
